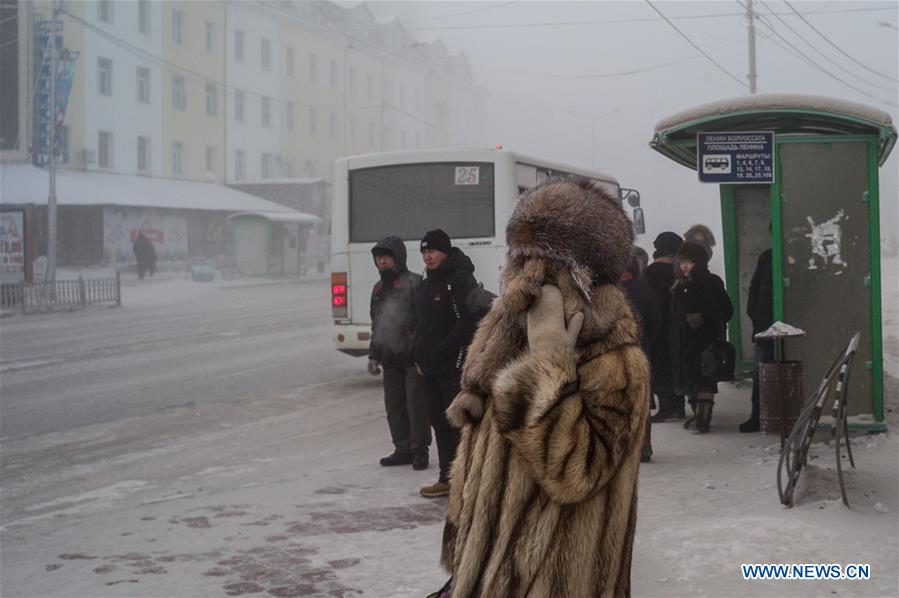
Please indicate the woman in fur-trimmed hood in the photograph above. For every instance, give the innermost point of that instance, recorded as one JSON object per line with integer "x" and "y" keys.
{"x": 543, "y": 491}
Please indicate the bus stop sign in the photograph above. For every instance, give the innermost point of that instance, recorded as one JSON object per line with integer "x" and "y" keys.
{"x": 741, "y": 157}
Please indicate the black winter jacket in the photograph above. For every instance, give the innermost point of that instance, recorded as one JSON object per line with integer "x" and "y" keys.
{"x": 703, "y": 293}
{"x": 442, "y": 333}
{"x": 393, "y": 309}
{"x": 644, "y": 304}
{"x": 760, "y": 304}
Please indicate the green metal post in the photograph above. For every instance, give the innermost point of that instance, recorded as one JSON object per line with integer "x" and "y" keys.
{"x": 777, "y": 243}
{"x": 732, "y": 267}
{"x": 876, "y": 314}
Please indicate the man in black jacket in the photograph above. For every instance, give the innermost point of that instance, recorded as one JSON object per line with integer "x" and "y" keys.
{"x": 390, "y": 348}
{"x": 760, "y": 309}
{"x": 442, "y": 336}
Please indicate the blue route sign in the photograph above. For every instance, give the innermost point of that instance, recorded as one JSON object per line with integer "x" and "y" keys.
{"x": 740, "y": 157}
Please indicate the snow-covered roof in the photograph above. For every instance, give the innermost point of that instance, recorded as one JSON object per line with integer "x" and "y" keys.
{"x": 296, "y": 217}
{"x": 785, "y": 114}
{"x": 27, "y": 184}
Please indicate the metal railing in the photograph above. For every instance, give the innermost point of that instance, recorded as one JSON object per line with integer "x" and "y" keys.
{"x": 47, "y": 296}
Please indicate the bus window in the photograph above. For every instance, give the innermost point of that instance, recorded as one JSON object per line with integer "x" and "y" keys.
{"x": 406, "y": 200}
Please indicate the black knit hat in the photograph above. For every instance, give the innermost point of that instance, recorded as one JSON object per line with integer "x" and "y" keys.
{"x": 436, "y": 239}
{"x": 666, "y": 244}
{"x": 692, "y": 252}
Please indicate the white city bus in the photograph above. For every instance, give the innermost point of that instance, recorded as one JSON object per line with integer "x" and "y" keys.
{"x": 468, "y": 193}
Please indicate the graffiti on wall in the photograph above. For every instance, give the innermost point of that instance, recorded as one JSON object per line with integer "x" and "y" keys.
{"x": 826, "y": 241}
{"x": 167, "y": 232}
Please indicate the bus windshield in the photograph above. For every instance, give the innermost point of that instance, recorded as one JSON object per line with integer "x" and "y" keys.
{"x": 410, "y": 199}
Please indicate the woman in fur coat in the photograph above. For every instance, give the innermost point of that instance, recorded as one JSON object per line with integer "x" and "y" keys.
{"x": 700, "y": 310}
{"x": 554, "y": 400}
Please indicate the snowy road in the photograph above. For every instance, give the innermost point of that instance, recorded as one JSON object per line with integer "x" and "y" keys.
{"x": 208, "y": 442}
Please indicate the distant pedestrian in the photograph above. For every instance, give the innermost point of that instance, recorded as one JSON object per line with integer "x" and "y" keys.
{"x": 442, "y": 336}
{"x": 544, "y": 487}
{"x": 701, "y": 235}
{"x": 646, "y": 308}
{"x": 760, "y": 309}
{"x": 660, "y": 278}
{"x": 145, "y": 254}
{"x": 390, "y": 350}
{"x": 700, "y": 310}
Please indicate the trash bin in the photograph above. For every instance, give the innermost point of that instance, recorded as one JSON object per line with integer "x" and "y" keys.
{"x": 781, "y": 394}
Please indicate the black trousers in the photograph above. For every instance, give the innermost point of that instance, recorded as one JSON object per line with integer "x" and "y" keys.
{"x": 441, "y": 389}
{"x": 407, "y": 412}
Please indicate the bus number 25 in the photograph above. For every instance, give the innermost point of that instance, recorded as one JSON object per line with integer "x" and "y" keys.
{"x": 467, "y": 175}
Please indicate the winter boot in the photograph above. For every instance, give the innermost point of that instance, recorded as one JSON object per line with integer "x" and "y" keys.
{"x": 704, "y": 415}
{"x": 690, "y": 424}
{"x": 420, "y": 461}
{"x": 646, "y": 450}
{"x": 750, "y": 425}
{"x": 437, "y": 490}
{"x": 396, "y": 458}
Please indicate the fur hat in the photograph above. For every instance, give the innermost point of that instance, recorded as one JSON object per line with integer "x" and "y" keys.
{"x": 701, "y": 235}
{"x": 692, "y": 252}
{"x": 666, "y": 244}
{"x": 576, "y": 224}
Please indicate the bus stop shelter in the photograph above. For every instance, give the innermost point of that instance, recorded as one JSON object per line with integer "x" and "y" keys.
{"x": 818, "y": 194}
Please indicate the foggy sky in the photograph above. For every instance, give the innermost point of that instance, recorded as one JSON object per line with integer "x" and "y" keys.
{"x": 545, "y": 95}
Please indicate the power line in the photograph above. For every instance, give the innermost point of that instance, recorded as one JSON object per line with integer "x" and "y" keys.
{"x": 692, "y": 43}
{"x": 836, "y": 47}
{"x": 459, "y": 14}
{"x": 622, "y": 21}
{"x": 814, "y": 64}
{"x": 827, "y": 58}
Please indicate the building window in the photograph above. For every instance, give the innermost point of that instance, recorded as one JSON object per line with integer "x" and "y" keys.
{"x": 238, "y": 45}
{"x": 179, "y": 94}
{"x": 104, "y": 76}
{"x": 370, "y": 86}
{"x": 104, "y": 11}
{"x": 352, "y": 79}
{"x": 143, "y": 85}
{"x": 238, "y": 105}
{"x": 371, "y": 134}
{"x": 312, "y": 119}
{"x": 332, "y": 126}
{"x": 143, "y": 16}
{"x": 212, "y": 99}
{"x": 177, "y": 158}
{"x": 267, "y": 165}
{"x": 210, "y": 36}
{"x": 289, "y": 59}
{"x": 266, "y": 112}
{"x": 177, "y": 26}
{"x": 288, "y": 115}
{"x": 104, "y": 149}
{"x": 332, "y": 71}
{"x": 265, "y": 53}
{"x": 239, "y": 160}
{"x": 352, "y": 130}
{"x": 210, "y": 159}
{"x": 143, "y": 154}
{"x": 313, "y": 68}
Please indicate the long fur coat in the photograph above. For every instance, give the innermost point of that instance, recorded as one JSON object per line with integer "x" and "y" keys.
{"x": 544, "y": 484}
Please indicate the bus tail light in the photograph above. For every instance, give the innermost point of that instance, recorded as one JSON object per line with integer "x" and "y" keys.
{"x": 339, "y": 292}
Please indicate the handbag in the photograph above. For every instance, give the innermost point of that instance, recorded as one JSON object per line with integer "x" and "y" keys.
{"x": 718, "y": 361}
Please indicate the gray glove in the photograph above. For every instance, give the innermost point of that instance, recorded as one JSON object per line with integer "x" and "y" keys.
{"x": 373, "y": 367}
{"x": 547, "y": 333}
{"x": 694, "y": 321}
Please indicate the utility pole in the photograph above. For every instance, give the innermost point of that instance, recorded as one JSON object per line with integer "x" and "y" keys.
{"x": 750, "y": 16}
{"x": 51, "y": 167}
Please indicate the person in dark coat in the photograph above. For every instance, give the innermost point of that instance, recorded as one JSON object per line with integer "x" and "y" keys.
{"x": 700, "y": 310}
{"x": 760, "y": 309}
{"x": 442, "y": 335}
{"x": 145, "y": 254}
{"x": 390, "y": 349}
{"x": 660, "y": 278}
{"x": 646, "y": 308}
